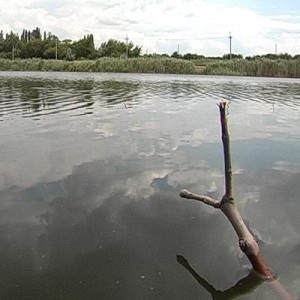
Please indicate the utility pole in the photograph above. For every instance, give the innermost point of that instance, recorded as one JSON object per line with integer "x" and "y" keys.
{"x": 230, "y": 38}
{"x": 13, "y": 52}
{"x": 276, "y": 48}
{"x": 56, "y": 48}
{"x": 178, "y": 50}
{"x": 126, "y": 39}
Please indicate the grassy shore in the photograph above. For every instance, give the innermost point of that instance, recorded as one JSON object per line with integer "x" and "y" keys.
{"x": 133, "y": 65}
{"x": 258, "y": 67}
{"x": 239, "y": 67}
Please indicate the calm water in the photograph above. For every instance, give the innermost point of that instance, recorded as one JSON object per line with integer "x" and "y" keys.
{"x": 90, "y": 170}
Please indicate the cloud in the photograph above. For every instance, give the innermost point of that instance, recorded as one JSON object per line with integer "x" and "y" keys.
{"x": 159, "y": 26}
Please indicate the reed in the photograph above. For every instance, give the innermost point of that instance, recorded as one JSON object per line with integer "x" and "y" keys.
{"x": 133, "y": 65}
{"x": 239, "y": 67}
{"x": 258, "y": 67}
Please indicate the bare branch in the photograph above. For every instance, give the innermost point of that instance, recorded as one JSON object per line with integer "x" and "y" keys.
{"x": 205, "y": 199}
{"x": 226, "y": 150}
{"x": 247, "y": 241}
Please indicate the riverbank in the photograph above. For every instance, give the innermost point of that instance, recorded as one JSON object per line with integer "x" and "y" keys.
{"x": 237, "y": 67}
{"x": 105, "y": 64}
{"x": 263, "y": 67}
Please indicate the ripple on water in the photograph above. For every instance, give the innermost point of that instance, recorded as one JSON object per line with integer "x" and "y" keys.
{"x": 39, "y": 95}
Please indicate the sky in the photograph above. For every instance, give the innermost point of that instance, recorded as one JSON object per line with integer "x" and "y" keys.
{"x": 257, "y": 27}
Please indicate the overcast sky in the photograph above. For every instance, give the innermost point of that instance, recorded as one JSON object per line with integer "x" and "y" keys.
{"x": 164, "y": 26}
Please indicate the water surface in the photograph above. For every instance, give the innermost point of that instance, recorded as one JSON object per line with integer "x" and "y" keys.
{"x": 90, "y": 171}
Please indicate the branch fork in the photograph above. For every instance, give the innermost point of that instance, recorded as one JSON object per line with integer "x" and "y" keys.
{"x": 247, "y": 241}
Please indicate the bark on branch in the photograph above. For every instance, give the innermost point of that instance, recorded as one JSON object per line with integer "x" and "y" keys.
{"x": 205, "y": 199}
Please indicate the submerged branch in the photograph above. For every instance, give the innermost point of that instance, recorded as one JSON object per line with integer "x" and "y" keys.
{"x": 247, "y": 241}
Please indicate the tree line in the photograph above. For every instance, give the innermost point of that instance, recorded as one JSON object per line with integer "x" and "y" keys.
{"x": 271, "y": 56}
{"x": 35, "y": 44}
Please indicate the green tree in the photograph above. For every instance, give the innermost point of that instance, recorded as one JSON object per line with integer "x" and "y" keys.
{"x": 227, "y": 56}
{"x": 33, "y": 48}
{"x": 36, "y": 34}
{"x": 175, "y": 54}
{"x": 85, "y": 47}
{"x": 10, "y": 45}
{"x": 285, "y": 56}
{"x": 115, "y": 48}
{"x": 50, "y": 52}
{"x": 112, "y": 48}
{"x": 134, "y": 51}
{"x": 24, "y": 36}
{"x": 50, "y": 46}
{"x": 190, "y": 56}
{"x": 65, "y": 50}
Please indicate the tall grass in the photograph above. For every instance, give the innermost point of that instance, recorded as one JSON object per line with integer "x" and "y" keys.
{"x": 259, "y": 67}
{"x": 240, "y": 67}
{"x": 133, "y": 65}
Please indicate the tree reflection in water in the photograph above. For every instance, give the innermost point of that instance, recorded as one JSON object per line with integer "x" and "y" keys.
{"x": 244, "y": 286}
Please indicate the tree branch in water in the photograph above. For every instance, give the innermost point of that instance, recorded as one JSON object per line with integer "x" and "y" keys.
{"x": 247, "y": 242}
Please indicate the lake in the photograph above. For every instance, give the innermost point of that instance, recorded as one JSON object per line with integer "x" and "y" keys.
{"x": 91, "y": 170}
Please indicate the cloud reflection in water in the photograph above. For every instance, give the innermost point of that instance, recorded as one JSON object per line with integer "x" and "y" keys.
{"x": 89, "y": 201}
